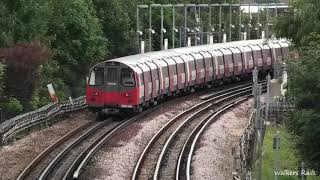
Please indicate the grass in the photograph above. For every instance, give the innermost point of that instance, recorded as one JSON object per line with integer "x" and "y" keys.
{"x": 288, "y": 158}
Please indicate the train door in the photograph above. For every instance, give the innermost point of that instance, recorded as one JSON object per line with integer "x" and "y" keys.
{"x": 257, "y": 56}
{"x": 180, "y": 71}
{"x": 219, "y": 64}
{"x": 228, "y": 61}
{"x": 154, "y": 78}
{"x": 200, "y": 76}
{"x": 208, "y": 63}
{"x": 237, "y": 60}
{"x": 112, "y": 74}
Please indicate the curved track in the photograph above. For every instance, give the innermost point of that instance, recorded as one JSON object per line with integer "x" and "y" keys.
{"x": 69, "y": 155}
{"x": 159, "y": 158}
{"x": 60, "y": 164}
{"x": 36, "y": 166}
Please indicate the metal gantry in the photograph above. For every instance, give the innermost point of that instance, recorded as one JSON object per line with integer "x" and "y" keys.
{"x": 199, "y": 29}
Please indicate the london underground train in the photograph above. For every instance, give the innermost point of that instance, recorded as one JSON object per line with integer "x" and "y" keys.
{"x": 138, "y": 81}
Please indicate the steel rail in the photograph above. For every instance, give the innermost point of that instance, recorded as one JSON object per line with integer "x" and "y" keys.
{"x": 167, "y": 125}
{"x": 172, "y": 136}
{"x": 179, "y": 129}
{"x": 195, "y": 140}
{"x": 64, "y": 152}
{"x": 84, "y": 161}
{"x": 209, "y": 95}
{"x": 48, "y": 150}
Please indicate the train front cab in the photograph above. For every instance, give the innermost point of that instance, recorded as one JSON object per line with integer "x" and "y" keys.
{"x": 112, "y": 86}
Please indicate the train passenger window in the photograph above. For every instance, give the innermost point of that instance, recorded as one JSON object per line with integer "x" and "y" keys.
{"x": 112, "y": 74}
{"x": 127, "y": 77}
{"x": 96, "y": 77}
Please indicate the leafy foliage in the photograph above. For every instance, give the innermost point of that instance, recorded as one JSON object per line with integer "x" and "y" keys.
{"x": 300, "y": 21}
{"x": 2, "y": 72}
{"x": 304, "y": 88}
{"x": 301, "y": 25}
{"x": 23, "y": 60}
{"x": 12, "y": 106}
{"x": 77, "y": 38}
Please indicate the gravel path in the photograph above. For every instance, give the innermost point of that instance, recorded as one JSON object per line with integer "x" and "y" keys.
{"x": 15, "y": 157}
{"x": 213, "y": 158}
{"x": 117, "y": 158}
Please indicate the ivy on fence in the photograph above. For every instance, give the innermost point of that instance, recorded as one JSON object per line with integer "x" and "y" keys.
{"x": 13, "y": 126}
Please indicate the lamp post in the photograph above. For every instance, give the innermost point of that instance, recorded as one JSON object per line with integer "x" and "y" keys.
{"x": 139, "y": 33}
{"x": 258, "y": 22}
{"x": 174, "y": 29}
{"x": 200, "y": 21}
{"x": 249, "y": 24}
{"x": 230, "y": 21}
{"x": 163, "y": 30}
{"x": 267, "y": 30}
{"x": 185, "y": 21}
{"x": 211, "y": 27}
{"x": 220, "y": 22}
{"x": 151, "y": 31}
{"x": 240, "y": 23}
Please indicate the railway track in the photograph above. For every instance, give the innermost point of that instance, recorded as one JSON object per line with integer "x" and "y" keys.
{"x": 67, "y": 158}
{"x": 171, "y": 143}
{"x": 36, "y": 166}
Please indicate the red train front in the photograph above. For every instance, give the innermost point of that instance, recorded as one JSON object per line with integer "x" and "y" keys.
{"x": 112, "y": 86}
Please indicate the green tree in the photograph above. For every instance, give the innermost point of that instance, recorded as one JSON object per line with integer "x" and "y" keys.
{"x": 299, "y": 22}
{"x": 301, "y": 25}
{"x": 304, "y": 88}
{"x": 77, "y": 39}
{"x": 23, "y": 20}
{"x": 23, "y": 61}
{"x": 116, "y": 25}
{"x": 2, "y": 72}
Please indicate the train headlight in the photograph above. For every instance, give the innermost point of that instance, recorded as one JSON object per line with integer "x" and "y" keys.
{"x": 95, "y": 93}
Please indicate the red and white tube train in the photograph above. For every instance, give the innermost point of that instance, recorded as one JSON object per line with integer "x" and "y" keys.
{"x": 134, "y": 82}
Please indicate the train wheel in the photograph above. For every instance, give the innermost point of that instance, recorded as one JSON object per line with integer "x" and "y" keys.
{"x": 138, "y": 109}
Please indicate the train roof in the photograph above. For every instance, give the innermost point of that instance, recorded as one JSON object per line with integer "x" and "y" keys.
{"x": 133, "y": 60}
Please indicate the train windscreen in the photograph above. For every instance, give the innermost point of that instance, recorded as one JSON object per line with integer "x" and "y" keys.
{"x": 96, "y": 76}
{"x": 127, "y": 77}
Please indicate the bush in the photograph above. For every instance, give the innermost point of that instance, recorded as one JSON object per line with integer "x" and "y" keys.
{"x": 12, "y": 107}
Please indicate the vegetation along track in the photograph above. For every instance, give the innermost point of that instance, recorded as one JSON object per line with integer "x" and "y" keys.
{"x": 159, "y": 158}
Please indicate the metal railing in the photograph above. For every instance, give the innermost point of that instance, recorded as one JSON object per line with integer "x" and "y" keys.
{"x": 10, "y": 128}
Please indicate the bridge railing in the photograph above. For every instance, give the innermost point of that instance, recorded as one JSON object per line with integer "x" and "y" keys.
{"x": 10, "y": 128}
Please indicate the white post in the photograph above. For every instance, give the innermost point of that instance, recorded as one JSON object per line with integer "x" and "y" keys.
{"x": 244, "y": 36}
{"x": 211, "y": 39}
{"x": 189, "y": 41}
{"x": 262, "y": 35}
{"x": 224, "y": 38}
{"x": 52, "y": 93}
{"x": 142, "y": 47}
{"x": 165, "y": 44}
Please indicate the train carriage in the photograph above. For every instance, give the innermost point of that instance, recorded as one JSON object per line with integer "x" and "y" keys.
{"x": 137, "y": 81}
